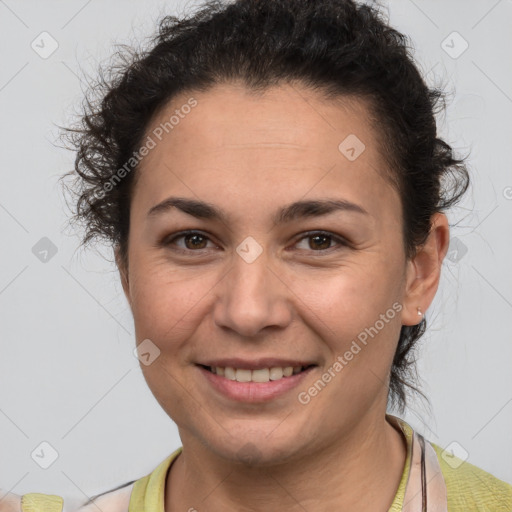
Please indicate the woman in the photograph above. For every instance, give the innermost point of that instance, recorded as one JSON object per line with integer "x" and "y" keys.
{"x": 271, "y": 181}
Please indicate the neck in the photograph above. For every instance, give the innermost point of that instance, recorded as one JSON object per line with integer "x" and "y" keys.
{"x": 361, "y": 472}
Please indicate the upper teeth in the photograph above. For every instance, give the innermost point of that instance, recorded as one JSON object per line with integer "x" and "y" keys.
{"x": 260, "y": 375}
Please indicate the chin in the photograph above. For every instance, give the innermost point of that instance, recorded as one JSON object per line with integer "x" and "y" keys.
{"x": 257, "y": 449}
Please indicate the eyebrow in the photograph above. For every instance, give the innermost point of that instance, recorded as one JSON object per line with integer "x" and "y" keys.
{"x": 294, "y": 211}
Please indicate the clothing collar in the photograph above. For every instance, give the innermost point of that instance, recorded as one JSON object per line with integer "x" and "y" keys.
{"x": 422, "y": 484}
{"x": 422, "y": 487}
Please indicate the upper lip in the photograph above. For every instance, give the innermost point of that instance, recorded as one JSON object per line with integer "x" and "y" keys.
{"x": 263, "y": 362}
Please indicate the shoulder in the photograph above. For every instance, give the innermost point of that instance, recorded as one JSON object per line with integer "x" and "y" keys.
{"x": 135, "y": 494}
{"x": 115, "y": 500}
{"x": 471, "y": 488}
{"x": 31, "y": 502}
{"x": 9, "y": 502}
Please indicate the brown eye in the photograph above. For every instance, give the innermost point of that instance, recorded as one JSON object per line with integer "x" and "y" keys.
{"x": 320, "y": 241}
{"x": 192, "y": 241}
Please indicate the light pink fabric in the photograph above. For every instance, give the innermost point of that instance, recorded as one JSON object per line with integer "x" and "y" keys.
{"x": 118, "y": 500}
{"x": 114, "y": 501}
{"x": 435, "y": 484}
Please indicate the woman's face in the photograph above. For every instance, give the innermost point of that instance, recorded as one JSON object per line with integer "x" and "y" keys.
{"x": 257, "y": 284}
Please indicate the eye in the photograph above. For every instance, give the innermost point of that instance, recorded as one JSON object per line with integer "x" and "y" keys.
{"x": 320, "y": 241}
{"x": 196, "y": 241}
{"x": 193, "y": 241}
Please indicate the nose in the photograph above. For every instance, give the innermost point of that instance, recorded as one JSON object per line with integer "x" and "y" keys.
{"x": 252, "y": 297}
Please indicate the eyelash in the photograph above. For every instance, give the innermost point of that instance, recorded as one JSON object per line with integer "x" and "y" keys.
{"x": 310, "y": 234}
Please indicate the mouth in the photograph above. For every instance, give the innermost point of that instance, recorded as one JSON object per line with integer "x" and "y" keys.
{"x": 260, "y": 375}
{"x": 255, "y": 386}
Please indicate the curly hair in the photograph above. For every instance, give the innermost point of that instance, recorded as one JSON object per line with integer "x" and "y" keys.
{"x": 337, "y": 47}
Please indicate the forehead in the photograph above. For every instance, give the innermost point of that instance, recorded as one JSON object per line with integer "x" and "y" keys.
{"x": 277, "y": 144}
{"x": 230, "y": 114}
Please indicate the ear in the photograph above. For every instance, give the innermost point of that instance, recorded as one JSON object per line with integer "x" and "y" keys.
{"x": 424, "y": 270}
{"x": 123, "y": 273}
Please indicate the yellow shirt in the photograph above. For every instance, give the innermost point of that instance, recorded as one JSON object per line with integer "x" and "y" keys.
{"x": 469, "y": 488}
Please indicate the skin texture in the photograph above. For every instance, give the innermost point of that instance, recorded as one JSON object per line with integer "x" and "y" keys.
{"x": 249, "y": 155}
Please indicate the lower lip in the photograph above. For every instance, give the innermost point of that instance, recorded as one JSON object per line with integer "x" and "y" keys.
{"x": 254, "y": 392}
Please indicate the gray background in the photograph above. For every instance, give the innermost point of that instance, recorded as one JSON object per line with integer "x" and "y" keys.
{"x": 67, "y": 372}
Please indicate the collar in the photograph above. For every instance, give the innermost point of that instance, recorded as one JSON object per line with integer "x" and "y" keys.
{"x": 423, "y": 485}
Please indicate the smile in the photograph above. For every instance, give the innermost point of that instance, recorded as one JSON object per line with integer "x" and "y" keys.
{"x": 257, "y": 375}
{"x": 242, "y": 385}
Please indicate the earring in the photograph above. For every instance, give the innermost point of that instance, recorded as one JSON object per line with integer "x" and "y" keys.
{"x": 419, "y": 311}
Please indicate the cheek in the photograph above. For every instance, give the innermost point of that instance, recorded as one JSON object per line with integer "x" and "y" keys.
{"x": 172, "y": 390}
{"x": 358, "y": 317}
{"x": 166, "y": 303}
{"x": 349, "y": 299}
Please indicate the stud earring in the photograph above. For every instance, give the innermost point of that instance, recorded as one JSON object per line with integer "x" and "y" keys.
{"x": 419, "y": 311}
